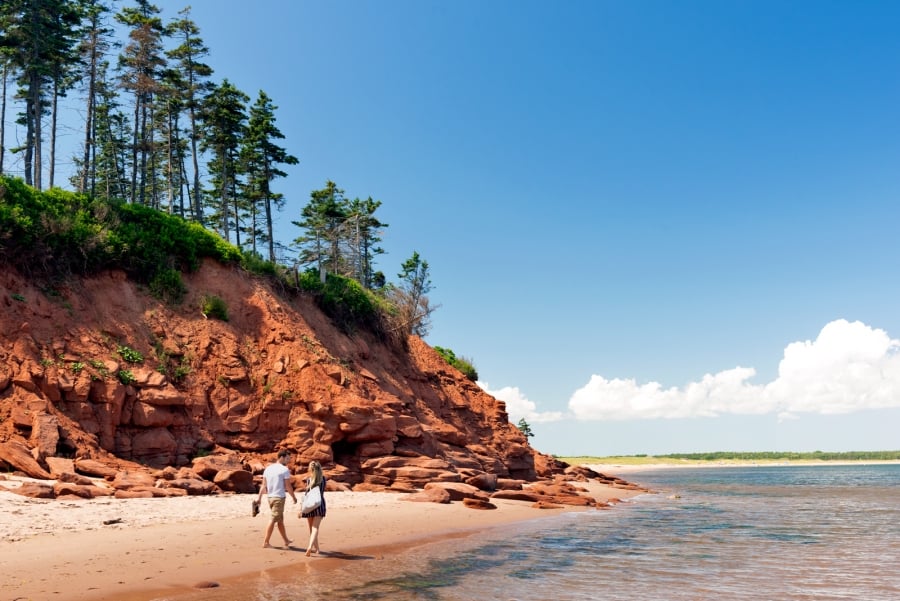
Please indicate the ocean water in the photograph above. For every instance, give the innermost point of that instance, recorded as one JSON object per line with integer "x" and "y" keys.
{"x": 780, "y": 533}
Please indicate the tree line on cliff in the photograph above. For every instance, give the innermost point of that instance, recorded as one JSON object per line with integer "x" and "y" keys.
{"x": 49, "y": 236}
{"x": 154, "y": 121}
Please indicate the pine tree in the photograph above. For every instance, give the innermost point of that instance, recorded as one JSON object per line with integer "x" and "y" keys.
{"x": 364, "y": 235}
{"x": 323, "y": 220}
{"x": 6, "y": 66}
{"x": 141, "y": 63}
{"x": 109, "y": 162}
{"x": 223, "y": 119}
{"x": 95, "y": 43}
{"x": 39, "y": 44}
{"x": 195, "y": 85}
{"x": 261, "y": 158}
{"x": 410, "y": 297}
{"x": 525, "y": 428}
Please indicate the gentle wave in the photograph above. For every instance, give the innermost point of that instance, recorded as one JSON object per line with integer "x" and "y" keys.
{"x": 768, "y": 534}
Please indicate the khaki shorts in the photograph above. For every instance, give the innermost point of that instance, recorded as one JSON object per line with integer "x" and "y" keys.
{"x": 276, "y": 504}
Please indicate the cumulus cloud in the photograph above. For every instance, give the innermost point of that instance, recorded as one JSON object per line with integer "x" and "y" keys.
{"x": 848, "y": 367}
{"x": 518, "y": 406}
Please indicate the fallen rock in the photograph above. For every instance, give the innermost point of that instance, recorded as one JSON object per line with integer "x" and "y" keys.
{"x": 17, "y": 455}
{"x": 207, "y": 467}
{"x": 91, "y": 467}
{"x": 73, "y": 478}
{"x": 63, "y": 489}
{"x": 240, "y": 481}
{"x": 516, "y": 495}
{"x": 478, "y": 504}
{"x": 458, "y": 491}
{"x": 59, "y": 466}
{"x": 35, "y": 490}
{"x": 126, "y": 480}
{"x": 483, "y": 481}
{"x": 509, "y": 484}
{"x": 192, "y": 487}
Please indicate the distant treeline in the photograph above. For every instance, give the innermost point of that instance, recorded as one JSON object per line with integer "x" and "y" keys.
{"x": 776, "y": 455}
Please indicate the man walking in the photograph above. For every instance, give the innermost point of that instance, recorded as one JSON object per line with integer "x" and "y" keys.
{"x": 276, "y": 483}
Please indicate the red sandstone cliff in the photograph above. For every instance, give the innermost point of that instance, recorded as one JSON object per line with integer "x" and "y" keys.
{"x": 277, "y": 374}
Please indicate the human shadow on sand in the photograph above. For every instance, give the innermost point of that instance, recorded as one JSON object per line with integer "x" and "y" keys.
{"x": 345, "y": 556}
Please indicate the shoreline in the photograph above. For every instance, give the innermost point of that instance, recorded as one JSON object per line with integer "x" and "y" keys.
{"x": 620, "y": 469}
{"x": 141, "y": 549}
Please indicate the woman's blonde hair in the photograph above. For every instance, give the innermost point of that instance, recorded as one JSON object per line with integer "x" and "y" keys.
{"x": 315, "y": 474}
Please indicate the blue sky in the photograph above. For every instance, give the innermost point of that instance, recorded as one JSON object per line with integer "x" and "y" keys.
{"x": 653, "y": 226}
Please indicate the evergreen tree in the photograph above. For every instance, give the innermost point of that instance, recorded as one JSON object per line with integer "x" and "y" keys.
{"x": 364, "y": 235}
{"x": 525, "y": 428}
{"x": 261, "y": 159}
{"x": 141, "y": 63}
{"x": 38, "y": 43}
{"x": 187, "y": 57}
{"x": 323, "y": 221}
{"x": 65, "y": 66}
{"x": 410, "y": 296}
{"x": 110, "y": 154}
{"x": 6, "y": 66}
{"x": 95, "y": 43}
{"x": 223, "y": 119}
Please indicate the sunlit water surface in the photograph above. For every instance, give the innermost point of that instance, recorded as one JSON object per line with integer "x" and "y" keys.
{"x": 781, "y": 533}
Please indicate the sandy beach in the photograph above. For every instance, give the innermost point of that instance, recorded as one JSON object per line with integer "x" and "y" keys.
{"x": 138, "y": 549}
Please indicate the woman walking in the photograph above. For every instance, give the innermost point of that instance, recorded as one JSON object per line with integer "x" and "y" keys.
{"x": 314, "y": 516}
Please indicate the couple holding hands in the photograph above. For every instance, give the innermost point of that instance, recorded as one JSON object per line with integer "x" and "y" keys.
{"x": 276, "y": 485}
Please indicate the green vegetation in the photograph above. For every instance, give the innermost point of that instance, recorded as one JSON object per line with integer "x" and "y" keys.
{"x": 525, "y": 428}
{"x": 18, "y": 297}
{"x": 76, "y": 366}
{"x": 177, "y": 165}
{"x": 181, "y": 370}
{"x": 126, "y": 377}
{"x": 129, "y": 354}
{"x": 56, "y": 233}
{"x": 213, "y": 306}
{"x": 737, "y": 457}
{"x": 167, "y": 286}
{"x": 461, "y": 363}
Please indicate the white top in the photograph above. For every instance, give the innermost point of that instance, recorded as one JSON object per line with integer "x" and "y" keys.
{"x": 275, "y": 476}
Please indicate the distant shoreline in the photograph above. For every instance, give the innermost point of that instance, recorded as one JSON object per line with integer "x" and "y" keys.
{"x": 610, "y": 465}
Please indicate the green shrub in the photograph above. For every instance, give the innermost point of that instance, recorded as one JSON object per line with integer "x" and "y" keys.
{"x": 181, "y": 370}
{"x": 58, "y": 232}
{"x": 129, "y": 354}
{"x": 254, "y": 263}
{"x": 126, "y": 377}
{"x": 167, "y": 286}
{"x": 213, "y": 306}
{"x": 344, "y": 300}
{"x": 461, "y": 363}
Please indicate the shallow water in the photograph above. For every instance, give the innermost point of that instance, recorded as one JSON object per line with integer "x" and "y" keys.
{"x": 762, "y": 533}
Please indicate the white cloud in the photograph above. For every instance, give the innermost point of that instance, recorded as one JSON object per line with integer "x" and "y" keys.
{"x": 849, "y": 367}
{"x": 518, "y": 406}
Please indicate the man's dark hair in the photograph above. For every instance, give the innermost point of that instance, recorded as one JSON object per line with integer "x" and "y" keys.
{"x": 284, "y": 453}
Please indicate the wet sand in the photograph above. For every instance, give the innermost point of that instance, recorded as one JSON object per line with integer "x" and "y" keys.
{"x": 139, "y": 549}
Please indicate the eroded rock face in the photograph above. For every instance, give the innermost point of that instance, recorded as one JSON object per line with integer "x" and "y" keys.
{"x": 108, "y": 375}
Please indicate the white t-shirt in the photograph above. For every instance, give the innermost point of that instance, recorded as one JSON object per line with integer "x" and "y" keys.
{"x": 276, "y": 475}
